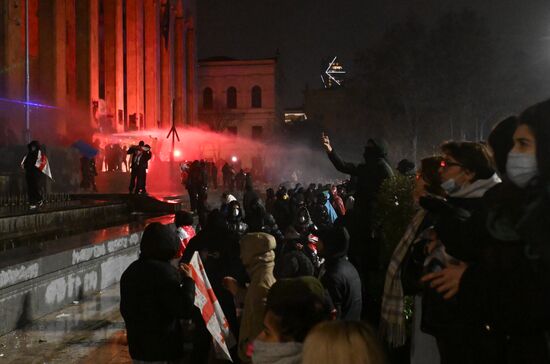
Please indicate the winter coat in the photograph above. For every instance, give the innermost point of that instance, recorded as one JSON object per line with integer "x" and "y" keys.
{"x": 460, "y": 226}
{"x": 370, "y": 175}
{"x": 139, "y": 162}
{"x": 340, "y": 278}
{"x": 257, "y": 255}
{"x": 154, "y": 296}
{"x": 338, "y": 205}
{"x": 282, "y": 214}
{"x": 29, "y": 163}
{"x": 219, "y": 251}
{"x": 507, "y": 293}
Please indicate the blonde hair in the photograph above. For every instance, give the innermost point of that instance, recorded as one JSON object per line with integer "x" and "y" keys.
{"x": 342, "y": 342}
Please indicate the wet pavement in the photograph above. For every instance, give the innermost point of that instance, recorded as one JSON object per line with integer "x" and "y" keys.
{"x": 86, "y": 332}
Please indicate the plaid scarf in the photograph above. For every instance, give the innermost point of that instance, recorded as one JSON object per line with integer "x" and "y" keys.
{"x": 392, "y": 323}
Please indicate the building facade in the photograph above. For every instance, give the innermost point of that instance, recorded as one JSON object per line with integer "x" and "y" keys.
{"x": 112, "y": 65}
{"x": 239, "y": 96}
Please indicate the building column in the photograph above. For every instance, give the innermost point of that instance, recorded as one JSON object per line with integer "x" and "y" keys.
{"x": 134, "y": 61}
{"x": 167, "y": 62}
{"x": 70, "y": 54}
{"x": 52, "y": 56}
{"x": 191, "y": 73}
{"x": 152, "y": 63}
{"x": 180, "y": 71}
{"x": 114, "y": 65}
{"x": 87, "y": 58}
{"x": 12, "y": 51}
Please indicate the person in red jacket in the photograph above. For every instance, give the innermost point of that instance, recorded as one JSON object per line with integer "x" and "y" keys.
{"x": 337, "y": 202}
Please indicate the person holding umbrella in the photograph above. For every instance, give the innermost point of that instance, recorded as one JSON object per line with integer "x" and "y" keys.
{"x": 87, "y": 164}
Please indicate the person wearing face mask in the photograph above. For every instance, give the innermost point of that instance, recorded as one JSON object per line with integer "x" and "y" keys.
{"x": 467, "y": 173}
{"x": 235, "y": 219}
{"x": 507, "y": 294}
{"x": 501, "y": 142}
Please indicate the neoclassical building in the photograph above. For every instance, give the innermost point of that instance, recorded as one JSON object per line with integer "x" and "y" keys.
{"x": 239, "y": 96}
{"x": 116, "y": 64}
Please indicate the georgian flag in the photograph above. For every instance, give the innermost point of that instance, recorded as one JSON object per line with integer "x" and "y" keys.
{"x": 42, "y": 164}
{"x": 211, "y": 311}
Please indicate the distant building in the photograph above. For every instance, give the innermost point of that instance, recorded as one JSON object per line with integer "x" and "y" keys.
{"x": 239, "y": 96}
{"x": 295, "y": 115}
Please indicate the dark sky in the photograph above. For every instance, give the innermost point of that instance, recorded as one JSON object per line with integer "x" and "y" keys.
{"x": 306, "y": 32}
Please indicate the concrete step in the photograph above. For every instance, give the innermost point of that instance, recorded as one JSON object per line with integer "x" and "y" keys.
{"x": 19, "y": 221}
{"x": 65, "y": 270}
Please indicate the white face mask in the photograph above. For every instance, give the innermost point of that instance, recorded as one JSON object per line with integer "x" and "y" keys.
{"x": 521, "y": 168}
{"x": 450, "y": 186}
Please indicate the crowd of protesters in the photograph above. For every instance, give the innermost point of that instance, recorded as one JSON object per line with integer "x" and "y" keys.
{"x": 292, "y": 271}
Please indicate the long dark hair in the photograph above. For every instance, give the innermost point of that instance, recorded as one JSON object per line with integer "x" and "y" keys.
{"x": 537, "y": 117}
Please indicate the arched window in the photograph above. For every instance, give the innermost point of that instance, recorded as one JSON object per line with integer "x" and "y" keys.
{"x": 232, "y": 98}
{"x": 256, "y": 97}
{"x": 207, "y": 99}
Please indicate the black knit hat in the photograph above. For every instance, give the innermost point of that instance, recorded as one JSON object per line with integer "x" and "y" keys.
{"x": 335, "y": 241}
{"x": 159, "y": 242}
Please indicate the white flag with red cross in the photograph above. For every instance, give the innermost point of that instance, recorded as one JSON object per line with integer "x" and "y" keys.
{"x": 211, "y": 311}
{"x": 43, "y": 164}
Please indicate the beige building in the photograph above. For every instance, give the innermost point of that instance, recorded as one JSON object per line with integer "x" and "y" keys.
{"x": 239, "y": 96}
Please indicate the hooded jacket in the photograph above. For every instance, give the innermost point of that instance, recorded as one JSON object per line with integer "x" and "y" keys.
{"x": 32, "y": 155}
{"x": 507, "y": 293}
{"x": 219, "y": 250}
{"x": 370, "y": 174}
{"x": 460, "y": 224}
{"x": 154, "y": 296}
{"x": 258, "y": 256}
{"x": 339, "y": 276}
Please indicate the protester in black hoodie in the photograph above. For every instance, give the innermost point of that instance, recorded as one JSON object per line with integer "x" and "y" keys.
{"x": 33, "y": 174}
{"x": 154, "y": 296}
{"x": 365, "y": 238}
{"x": 338, "y": 275}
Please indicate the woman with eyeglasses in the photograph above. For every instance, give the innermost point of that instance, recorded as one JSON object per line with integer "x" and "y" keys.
{"x": 467, "y": 173}
{"x": 507, "y": 292}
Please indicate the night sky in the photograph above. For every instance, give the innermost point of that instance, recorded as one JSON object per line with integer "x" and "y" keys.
{"x": 306, "y": 32}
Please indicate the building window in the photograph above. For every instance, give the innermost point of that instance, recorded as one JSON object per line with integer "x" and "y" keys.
{"x": 232, "y": 130}
{"x": 207, "y": 99}
{"x": 256, "y": 97}
{"x": 257, "y": 132}
{"x": 232, "y": 98}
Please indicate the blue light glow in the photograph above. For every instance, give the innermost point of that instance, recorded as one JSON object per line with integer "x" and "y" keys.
{"x": 33, "y": 104}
